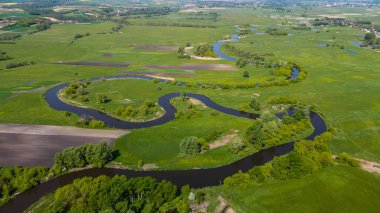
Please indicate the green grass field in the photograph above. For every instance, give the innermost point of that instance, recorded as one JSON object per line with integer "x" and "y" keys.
{"x": 335, "y": 189}
{"x": 343, "y": 86}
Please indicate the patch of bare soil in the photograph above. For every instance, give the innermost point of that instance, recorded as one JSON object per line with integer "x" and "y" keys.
{"x": 196, "y": 208}
{"x": 370, "y": 166}
{"x": 156, "y": 47}
{"x": 205, "y": 58}
{"x": 199, "y": 57}
{"x": 223, "y": 206}
{"x": 161, "y": 77}
{"x": 149, "y": 166}
{"x": 197, "y": 102}
{"x": 331, "y": 16}
{"x": 94, "y": 63}
{"x": 52, "y": 19}
{"x": 156, "y": 73}
{"x": 222, "y": 142}
{"x": 215, "y": 67}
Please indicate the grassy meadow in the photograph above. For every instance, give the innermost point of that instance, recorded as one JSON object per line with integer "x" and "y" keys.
{"x": 334, "y": 189}
{"x": 342, "y": 85}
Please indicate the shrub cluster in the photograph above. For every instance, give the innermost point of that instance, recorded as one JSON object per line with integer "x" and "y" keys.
{"x": 269, "y": 131}
{"x": 19, "y": 64}
{"x": 185, "y": 109}
{"x": 346, "y": 159}
{"x": 77, "y": 90}
{"x": 147, "y": 108}
{"x": 275, "y": 32}
{"x": 82, "y": 122}
{"x": 96, "y": 155}
{"x": 78, "y": 36}
{"x": 204, "y": 50}
{"x": 4, "y": 56}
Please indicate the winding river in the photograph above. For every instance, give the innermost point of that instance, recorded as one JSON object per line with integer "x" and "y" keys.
{"x": 216, "y": 47}
{"x": 196, "y": 178}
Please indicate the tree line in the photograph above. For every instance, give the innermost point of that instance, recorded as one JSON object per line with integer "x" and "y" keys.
{"x": 18, "y": 179}
{"x": 96, "y": 155}
{"x": 118, "y": 194}
{"x": 306, "y": 158}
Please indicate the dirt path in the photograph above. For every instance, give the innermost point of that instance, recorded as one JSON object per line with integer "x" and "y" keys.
{"x": 369, "y": 166}
{"x": 161, "y": 77}
{"x": 59, "y": 130}
{"x": 205, "y": 58}
{"x": 366, "y": 165}
{"x": 222, "y": 142}
{"x": 223, "y": 206}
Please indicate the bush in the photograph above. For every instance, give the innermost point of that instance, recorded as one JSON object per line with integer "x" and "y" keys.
{"x": 4, "y": 56}
{"x": 261, "y": 174}
{"x": 146, "y": 109}
{"x": 346, "y": 159}
{"x": 18, "y": 64}
{"x": 246, "y": 74}
{"x": 102, "y": 99}
{"x": 96, "y": 124}
{"x": 190, "y": 146}
{"x": 255, "y": 105}
{"x": 236, "y": 145}
{"x": 239, "y": 180}
{"x": 213, "y": 135}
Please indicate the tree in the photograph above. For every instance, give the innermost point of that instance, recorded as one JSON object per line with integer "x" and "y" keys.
{"x": 246, "y": 74}
{"x": 102, "y": 99}
{"x": 102, "y": 154}
{"x": 254, "y": 104}
{"x": 190, "y": 146}
{"x": 370, "y": 38}
{"x": 300, "y": 112}
{"x": 140, "y": 163}
{"x": 183, "y": 95}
